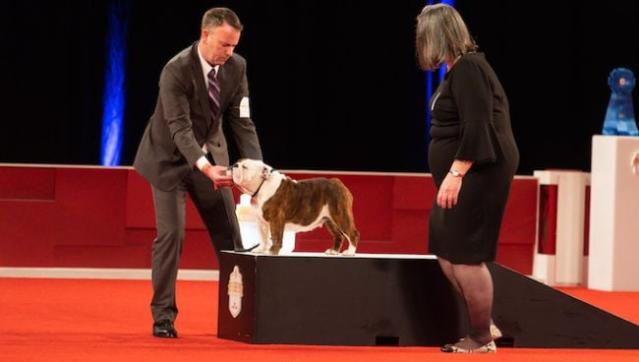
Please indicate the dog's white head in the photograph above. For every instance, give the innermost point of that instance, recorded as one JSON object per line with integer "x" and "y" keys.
{"x": 249, "y": 174}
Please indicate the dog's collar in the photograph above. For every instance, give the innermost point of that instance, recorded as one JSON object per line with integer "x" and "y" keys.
{"x": 259, "y": 187}
{"x": 264, "y": 178}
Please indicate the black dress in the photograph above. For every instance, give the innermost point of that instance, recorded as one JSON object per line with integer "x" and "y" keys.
{"x": 471, "y": 121}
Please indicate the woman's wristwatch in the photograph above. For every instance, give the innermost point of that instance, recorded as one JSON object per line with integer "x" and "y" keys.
{"x": 455, "y": 173}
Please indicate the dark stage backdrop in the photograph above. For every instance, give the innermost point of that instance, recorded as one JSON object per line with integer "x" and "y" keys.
{"x": 334, "y": 84}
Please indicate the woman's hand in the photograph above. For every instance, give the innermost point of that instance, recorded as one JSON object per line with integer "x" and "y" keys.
{"x": 448, "y": 193}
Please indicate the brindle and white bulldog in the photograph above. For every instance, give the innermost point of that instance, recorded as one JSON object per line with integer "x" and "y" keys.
{"x": 283, "y": 203}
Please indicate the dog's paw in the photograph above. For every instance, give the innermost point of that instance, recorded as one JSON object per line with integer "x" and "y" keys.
{"x": 331, "y": 252}
{"x": 273, "y": 252}
{"x": 348, "y": 252}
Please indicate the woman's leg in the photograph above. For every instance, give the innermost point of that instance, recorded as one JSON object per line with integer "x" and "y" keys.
{"x": 476, "y": 285}
{"x": 447, "y": 269}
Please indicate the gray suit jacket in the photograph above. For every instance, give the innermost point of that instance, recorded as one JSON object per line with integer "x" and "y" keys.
{"x": 182, "y": 121}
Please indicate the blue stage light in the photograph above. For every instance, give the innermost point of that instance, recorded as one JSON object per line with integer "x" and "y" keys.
{"x": 114, "y": 85}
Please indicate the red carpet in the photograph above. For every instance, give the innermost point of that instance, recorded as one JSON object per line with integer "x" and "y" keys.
{"x": 107, "y": 320}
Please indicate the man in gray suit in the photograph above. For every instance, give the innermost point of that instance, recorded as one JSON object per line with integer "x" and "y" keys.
{"x": 183, "y": 149}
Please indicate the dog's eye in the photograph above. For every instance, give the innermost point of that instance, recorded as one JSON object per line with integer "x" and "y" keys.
{"x": 244, "y": 167}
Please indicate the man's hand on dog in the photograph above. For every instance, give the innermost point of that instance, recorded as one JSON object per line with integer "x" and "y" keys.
{"x": 218, "y": 175}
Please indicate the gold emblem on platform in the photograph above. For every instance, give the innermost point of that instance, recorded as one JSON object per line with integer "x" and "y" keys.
{"x": 235, "y": 291}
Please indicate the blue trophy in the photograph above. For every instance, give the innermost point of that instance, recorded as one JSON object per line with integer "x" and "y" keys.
{"x": 620, "y": 116}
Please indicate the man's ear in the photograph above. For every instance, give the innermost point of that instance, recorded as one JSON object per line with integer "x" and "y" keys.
{"x": 265, "y": 172}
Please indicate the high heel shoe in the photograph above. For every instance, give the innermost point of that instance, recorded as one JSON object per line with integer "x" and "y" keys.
{"x": 495, "y": 332}
{"x": 465, "y": 346}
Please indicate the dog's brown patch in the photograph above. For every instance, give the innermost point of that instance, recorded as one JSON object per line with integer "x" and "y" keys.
{"x": 301, "y": 202}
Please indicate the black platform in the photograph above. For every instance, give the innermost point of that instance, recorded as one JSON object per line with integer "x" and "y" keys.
{"x": 309, "y": 298}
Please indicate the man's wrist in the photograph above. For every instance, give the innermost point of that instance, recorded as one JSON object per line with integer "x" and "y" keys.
{"x": 202, "y": 164}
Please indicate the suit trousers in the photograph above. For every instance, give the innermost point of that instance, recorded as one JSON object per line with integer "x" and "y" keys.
{"x": 217, "y": 210}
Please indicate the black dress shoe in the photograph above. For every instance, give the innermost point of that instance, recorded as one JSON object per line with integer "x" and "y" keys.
{"x": 164, "y": 329}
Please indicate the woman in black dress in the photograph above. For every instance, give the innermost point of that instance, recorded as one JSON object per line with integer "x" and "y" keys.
{"x": 473, "y": 158}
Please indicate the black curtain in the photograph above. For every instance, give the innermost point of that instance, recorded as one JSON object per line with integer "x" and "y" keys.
{"x": 554, "y": 60}
{"x": 334, "y": 84}
{"x": 52, "y": 72}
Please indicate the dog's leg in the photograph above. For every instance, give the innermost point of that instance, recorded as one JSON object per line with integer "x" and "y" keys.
{"x": 277, "y": 235}
{"x": 350, "y": 251}
{"x": 346, "y": 227}
{"x": 337, "y": 237}
{"x": 342, "y": 217}
{"x": 353, "y": 239}
{"x": 264, "y": 238}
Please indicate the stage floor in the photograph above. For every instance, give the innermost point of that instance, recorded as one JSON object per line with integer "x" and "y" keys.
{"x": 109, "y": 320}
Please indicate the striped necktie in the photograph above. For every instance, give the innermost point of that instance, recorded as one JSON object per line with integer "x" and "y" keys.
{"x": 214, "y": 93}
